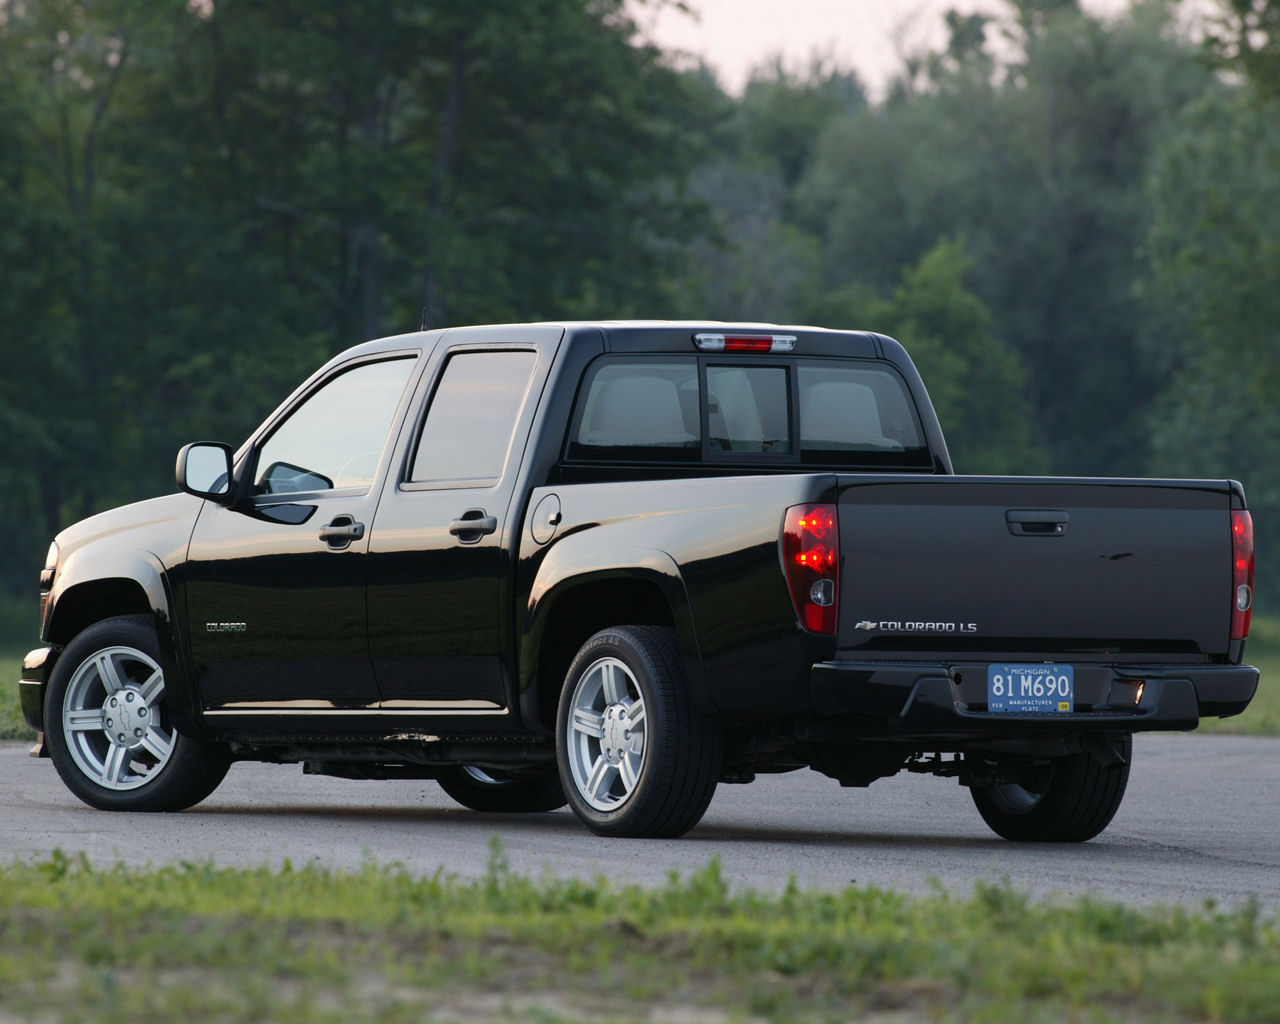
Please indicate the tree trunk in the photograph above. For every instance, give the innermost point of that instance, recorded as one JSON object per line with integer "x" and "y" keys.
{"x": 432, "y": 306}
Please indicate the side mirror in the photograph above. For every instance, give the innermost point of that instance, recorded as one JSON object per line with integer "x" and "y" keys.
{"x": 204, "y": 469}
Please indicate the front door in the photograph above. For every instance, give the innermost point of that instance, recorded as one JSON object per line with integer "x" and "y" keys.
{"x": 275, "y": 586}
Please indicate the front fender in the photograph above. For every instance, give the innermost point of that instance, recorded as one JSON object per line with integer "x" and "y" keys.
{"x": 93, "y": 586}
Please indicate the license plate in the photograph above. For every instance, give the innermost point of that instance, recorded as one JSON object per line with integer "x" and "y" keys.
{"x": 1042, "y": 689}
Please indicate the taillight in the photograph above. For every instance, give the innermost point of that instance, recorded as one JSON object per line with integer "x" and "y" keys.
{"x": 1241, "y": 574}
{"x": 745, "y": 342}
{"x": 811, "y": 558}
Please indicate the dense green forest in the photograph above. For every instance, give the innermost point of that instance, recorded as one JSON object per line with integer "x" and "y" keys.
{"x": 1073, "y": 223}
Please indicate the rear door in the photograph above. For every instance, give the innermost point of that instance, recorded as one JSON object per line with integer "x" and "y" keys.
{"x": 441, "y": 562}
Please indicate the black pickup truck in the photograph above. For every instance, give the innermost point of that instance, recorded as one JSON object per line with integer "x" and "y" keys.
{"x": 616, "y": 564}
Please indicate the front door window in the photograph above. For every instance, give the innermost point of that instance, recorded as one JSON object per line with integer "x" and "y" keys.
{"x": 334, "y": 439}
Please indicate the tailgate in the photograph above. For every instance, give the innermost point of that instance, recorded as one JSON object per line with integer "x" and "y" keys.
{"x": 990, "y": 564}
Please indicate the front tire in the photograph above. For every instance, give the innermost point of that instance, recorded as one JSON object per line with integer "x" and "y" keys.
{"x": 529, "y": 790}
{"x": 636, "y": 758}
{"x": 1070, "y": 800}
{"x": 108, "y": 726}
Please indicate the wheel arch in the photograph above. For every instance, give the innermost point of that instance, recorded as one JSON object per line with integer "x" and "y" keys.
{"x": 636, "y": 587}
{"x": 83, "y": 604}
{"x": 134, "y": 586}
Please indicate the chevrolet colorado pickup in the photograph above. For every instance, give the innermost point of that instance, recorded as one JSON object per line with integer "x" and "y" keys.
{"x": 616, "y": 564}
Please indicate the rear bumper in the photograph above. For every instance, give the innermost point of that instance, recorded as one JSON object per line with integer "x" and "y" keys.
{"x": 935, "y": 700}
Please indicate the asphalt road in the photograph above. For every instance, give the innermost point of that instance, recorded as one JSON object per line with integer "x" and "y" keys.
{"x": 1200, "y": 822}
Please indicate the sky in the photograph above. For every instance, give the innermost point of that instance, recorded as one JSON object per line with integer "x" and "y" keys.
{"x": 733, "y": 36}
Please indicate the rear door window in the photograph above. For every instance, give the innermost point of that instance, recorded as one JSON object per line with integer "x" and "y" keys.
{"x": 470, "y": 424}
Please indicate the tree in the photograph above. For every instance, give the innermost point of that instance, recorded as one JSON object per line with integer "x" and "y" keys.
{"x": 201, "y": 201}
{"x": 753, "y": 261}
{"x": 1244, "y": 35}
{"x": 976, "y": 380}
{"x": 1039, "y": 164}
{"x": 1214, "y": 299}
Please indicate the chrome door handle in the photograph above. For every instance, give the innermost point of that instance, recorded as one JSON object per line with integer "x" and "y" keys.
{"x": 472, "y": 525}
{"x": 341, "y": 532}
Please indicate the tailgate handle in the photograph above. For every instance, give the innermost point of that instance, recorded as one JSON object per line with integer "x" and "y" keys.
{"x": 1027, "y": 522}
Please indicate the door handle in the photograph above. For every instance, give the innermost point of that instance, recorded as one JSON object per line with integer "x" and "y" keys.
{"x": 341, "y": 532}
{"x": 1027, "y": 522}
{"x": 472, "y": 525}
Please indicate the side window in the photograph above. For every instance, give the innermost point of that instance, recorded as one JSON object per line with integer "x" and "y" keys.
{"x": 851, "y": 409}
{"x": 639, "y": 408}
{"x": 472, "y": 418}
{"x": 747, "y": 409}
{"x": 335, "y": 438}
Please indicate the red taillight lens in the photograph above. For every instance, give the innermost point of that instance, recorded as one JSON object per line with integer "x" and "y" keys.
{"x": 1241, "y": 574}
{"x": 811, "y": 558}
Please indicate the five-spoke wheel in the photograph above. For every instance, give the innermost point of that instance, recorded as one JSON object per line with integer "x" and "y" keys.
{"x": 606, "y": 748}
{"x": 113, "y": 718}
{"x": 108, "y": 726}
{"x": 636, "y": 758}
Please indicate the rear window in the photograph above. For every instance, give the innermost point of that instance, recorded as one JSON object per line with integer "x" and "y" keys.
{"x": 748, "y": 409}
{"x": 810, "y": 412}
{"x": 640, "y": 409}
{"x": 854, "y": 409}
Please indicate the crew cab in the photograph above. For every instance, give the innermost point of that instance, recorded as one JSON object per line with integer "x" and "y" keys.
{"x": 617, "y": 564}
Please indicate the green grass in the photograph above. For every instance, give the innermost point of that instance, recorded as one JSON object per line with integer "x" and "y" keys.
{"x": 200, "y": 943}
{"x": 12, "y": 726}
{"x": 1262, "y": 717}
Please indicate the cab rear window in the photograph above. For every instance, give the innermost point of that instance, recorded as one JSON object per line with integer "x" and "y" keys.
{"x": 640, "y": 409}
{"x": 855, "y": 409}
{"x": 718, "y": 409}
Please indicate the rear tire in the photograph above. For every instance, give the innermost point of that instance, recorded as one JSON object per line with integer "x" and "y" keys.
{"x": 529, "y": 790}
{"x": 636, "y": 758}
{"x": 1068, "y": 801}
{"x": 108, "y": 727}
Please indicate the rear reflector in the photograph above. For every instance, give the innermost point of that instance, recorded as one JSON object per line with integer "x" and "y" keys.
{"x": 811, "y": 559}
{"x": 745, "y": 342}
{"x": 1241, "y": 574}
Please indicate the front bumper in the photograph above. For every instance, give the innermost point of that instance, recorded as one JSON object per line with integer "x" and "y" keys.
{"x": 936, "y": 700}
{"x": 35, "y": 675}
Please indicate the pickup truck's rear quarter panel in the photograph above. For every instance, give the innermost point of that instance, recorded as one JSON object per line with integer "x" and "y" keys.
{"x": 721, "y": 536}
{"x": 1137, "y": 569}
